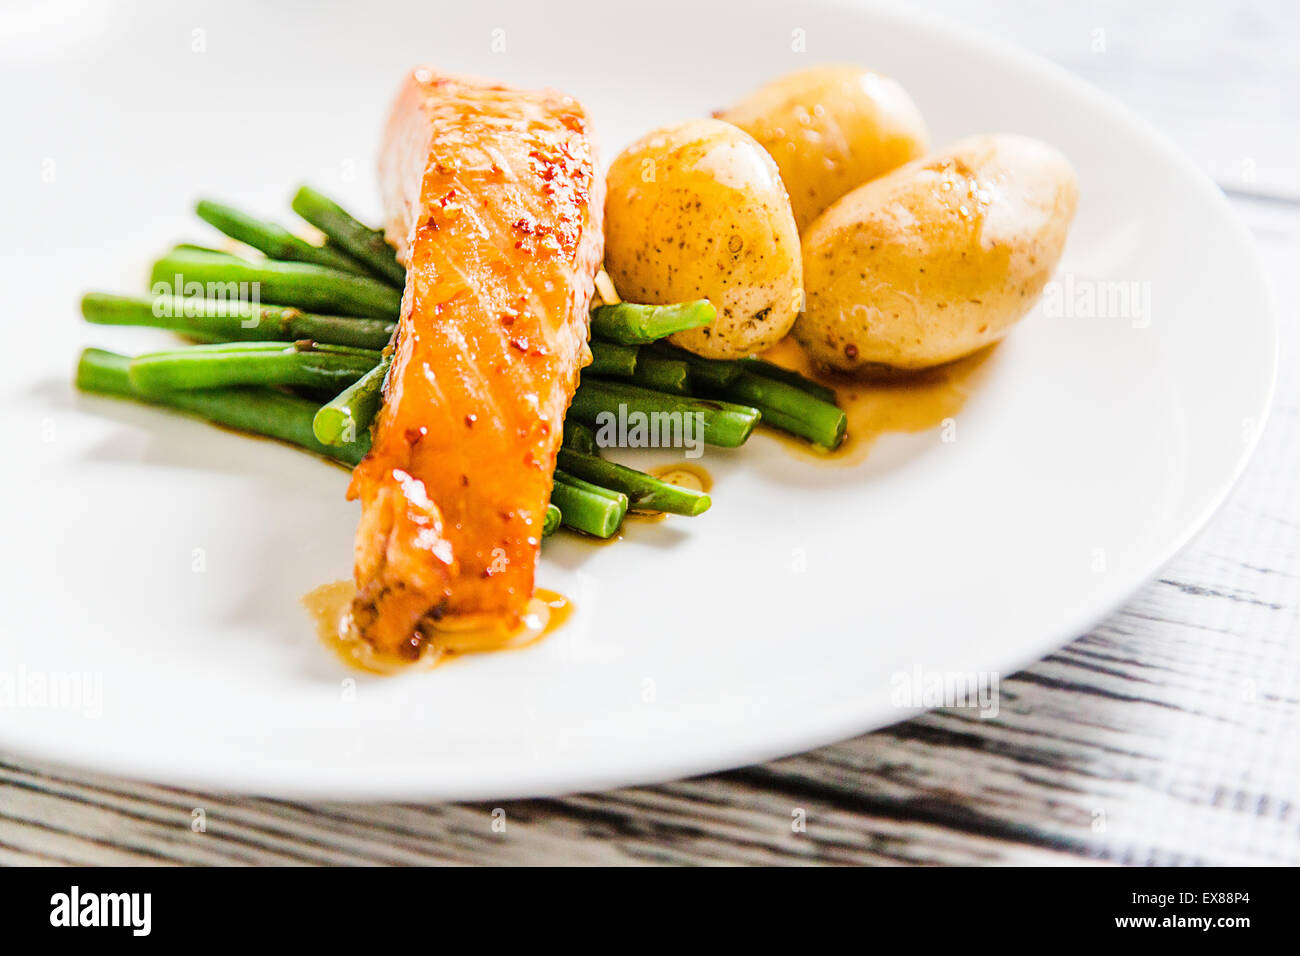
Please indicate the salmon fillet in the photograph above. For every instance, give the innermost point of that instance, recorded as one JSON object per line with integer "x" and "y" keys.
{"x": 493, "y": 199}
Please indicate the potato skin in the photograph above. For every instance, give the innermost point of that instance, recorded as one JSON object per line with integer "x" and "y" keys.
{"x": 698, "y": 210}
{"x": 938, "y": 258}
{"x": 831, "y": 129}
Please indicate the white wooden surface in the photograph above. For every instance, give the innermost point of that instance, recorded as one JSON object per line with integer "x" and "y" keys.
{"x": 1170, "y": 734}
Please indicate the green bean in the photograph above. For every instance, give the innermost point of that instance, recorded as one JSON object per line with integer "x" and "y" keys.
{"x": 644, "y": 492}
{"x": 586, "y": 507}
{"x": 631, "y": 324}
{"x": 261, "y": 411}
{"x": 306, "y": 286}
{"x": 349, "y": 414}
{"x": 364, "y": 244}
{"x": 722, "y": 423}
{"x": 222, "y": 320}
{"x": 272, "y": 240}
{"x": 250, "y": 363}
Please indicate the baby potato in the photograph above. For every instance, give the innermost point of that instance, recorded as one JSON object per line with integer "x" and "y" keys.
{"x": 695, "y": 211}
{"x": 831, "y": 129}
{"x": 938, "y": 258}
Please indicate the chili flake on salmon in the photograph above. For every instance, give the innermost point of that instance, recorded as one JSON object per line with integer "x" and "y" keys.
{"x": 493, "y": 199}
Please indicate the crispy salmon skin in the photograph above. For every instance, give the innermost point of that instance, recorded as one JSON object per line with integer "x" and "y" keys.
{"x": 493, "y": 198}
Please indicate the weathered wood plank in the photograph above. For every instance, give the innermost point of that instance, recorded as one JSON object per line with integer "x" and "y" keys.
{"x": 712, "y": 820}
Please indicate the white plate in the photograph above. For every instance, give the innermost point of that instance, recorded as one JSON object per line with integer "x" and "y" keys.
{"x": 167, "y": 559}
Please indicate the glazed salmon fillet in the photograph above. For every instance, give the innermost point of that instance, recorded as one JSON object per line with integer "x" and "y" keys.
{"x": 493, "y": 199}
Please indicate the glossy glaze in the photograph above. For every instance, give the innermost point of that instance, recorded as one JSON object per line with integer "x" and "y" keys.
{"x": 330, "y": 606}
{"x": 493, "y": 199}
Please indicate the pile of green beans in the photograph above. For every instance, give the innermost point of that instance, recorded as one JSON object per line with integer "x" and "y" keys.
{"x": 267, "y": 368}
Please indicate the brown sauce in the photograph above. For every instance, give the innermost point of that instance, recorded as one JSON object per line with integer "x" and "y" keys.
{"x": 330, "y": 606}
{"x": 684, "y": 475}
{"x": 644, "y": 517}
{"x": 885, "y": 401}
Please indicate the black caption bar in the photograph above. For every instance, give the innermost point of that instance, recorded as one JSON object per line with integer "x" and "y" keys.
{"x": 334, "y": 906}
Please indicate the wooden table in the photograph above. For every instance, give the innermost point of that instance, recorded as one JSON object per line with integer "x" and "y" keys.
{"x": 1168, "y": 735}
